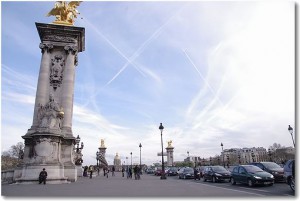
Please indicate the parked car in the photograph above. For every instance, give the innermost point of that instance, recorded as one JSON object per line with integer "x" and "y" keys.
{"x": 288, "y": 173}
{"x": 216, "y": 173}
{"x": 172, "y": 171}
{"x": 272, "y": 168}
{"x": 150, "y": 171}
{"x": 186, "y": 173}
{"x": 251, "y": 175}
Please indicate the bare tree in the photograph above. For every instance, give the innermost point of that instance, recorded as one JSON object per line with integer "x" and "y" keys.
{"x": 12, "y": 158}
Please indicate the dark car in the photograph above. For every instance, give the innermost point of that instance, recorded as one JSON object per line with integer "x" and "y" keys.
{"x": 216, "y": 173}
{"x": 288, "y": 173}
{"x": 272, "y": 168}
{"x": 172, "y": 171}
{"x": 186, "y": 173}
{"x": 251, "y": 175}
{"x": 158, "y": 171}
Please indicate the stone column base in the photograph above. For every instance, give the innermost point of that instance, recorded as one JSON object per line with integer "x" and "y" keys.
{"x": 30, "y": 174}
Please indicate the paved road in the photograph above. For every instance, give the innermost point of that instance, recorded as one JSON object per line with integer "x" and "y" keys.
{"x": 148, "y": 186}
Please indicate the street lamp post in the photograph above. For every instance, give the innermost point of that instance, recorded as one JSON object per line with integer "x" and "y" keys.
{"x": 131, "y": 161}
{"x": 227, "y": 160}
{"x": 77, "y": 140}
{"x": 78, "y": 149}
{"x": 223, "y": 154}
{"x": 163, "y": 176}
{"x": 140, "y": 146}
{"x": 290, "y": 129}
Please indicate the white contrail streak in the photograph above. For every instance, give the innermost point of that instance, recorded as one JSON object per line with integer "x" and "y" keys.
{"x": 111, "y": 44}
{"x": 207, "y": 84}
{"x": 144, "y": 45}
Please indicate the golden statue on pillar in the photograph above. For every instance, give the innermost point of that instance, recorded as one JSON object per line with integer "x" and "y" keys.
{"x": 64, "y": 12}
{"x": 102, "y": 143}
{"x": 169, "y": 144}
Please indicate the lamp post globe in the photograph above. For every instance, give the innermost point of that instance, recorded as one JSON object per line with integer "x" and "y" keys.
{"x": 163, "y": 176}
{"x": 290, "y": 129}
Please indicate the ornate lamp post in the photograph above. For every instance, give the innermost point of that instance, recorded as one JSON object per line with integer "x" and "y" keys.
{"x": 77, "y": 140}
{"x": 78, "y": 155}
{"x": 140, "y": 146}
{"x": 270, "y": 154}
{"x": 223, "y": 154}
{"x": 290, "y": 129}
{"x": 163, "y": 176}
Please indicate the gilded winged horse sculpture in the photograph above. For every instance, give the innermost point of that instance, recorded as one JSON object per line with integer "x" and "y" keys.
{"x": 64, "y": 12}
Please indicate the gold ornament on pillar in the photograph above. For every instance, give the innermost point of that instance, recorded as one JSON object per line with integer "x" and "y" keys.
{"x": 64, "y": 12}
{"x": 169, "y": 144}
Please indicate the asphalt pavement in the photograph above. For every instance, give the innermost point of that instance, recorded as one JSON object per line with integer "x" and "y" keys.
{"x": 149, "y": 186}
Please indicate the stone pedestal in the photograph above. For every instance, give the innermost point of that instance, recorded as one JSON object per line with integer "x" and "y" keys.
{"x": 170, "y": 159}
{"x": 49, "y": 143}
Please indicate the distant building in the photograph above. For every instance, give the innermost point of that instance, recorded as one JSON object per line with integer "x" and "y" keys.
{"x": 117, "y": 163}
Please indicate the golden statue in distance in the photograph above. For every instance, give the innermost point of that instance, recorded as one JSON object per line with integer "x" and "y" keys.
{"x": 64, "y": 12}
{"x": 102, "y": 143}
{"x": 170, "y": 143}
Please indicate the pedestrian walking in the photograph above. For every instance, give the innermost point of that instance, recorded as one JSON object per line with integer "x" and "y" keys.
{"x": 135, "y": 172}
{"x": 43, "y": 176}
{"x": 91, "y": 169}
{"x": 113, "y": 171}
{"x": 130, "y": 172}
{"x": 123, "y": 171}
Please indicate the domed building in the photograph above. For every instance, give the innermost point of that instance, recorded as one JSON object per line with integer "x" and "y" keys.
{"x": 117, "y": 163}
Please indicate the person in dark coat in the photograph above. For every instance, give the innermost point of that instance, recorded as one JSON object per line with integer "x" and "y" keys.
{"x": 43, "y": 176}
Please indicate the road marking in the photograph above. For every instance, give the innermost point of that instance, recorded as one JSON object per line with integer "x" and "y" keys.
{"x": 255, "y": 189}
{"x": 231, "y": 189}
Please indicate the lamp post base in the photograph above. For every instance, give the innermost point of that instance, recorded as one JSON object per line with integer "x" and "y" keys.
{"x": 163, "y": 176}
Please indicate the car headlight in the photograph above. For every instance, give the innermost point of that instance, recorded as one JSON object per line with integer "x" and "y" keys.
{"x": 219, "y": 175}
{"x": 256, "y": 177}
{"x": 272, "y": 176}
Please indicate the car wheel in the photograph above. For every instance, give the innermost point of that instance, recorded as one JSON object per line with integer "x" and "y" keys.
{"x": 250, "y": 183}
{"x": 292, "y": 184}
{"x": 204, "y": 179}
{"x": 232, "y": 181}
{"x": 179, "y": 177}
{"x": 214, "y": 179}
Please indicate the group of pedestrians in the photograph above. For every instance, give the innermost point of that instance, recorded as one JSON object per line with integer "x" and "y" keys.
{"x": 136, "y": 172}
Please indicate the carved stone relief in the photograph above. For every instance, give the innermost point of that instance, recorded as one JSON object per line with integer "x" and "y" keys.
{"x": 56, "y": 71}
{"x": 51, "y": 115}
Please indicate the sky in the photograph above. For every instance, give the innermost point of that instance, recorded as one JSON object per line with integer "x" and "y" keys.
{"x": 210, "y": 72}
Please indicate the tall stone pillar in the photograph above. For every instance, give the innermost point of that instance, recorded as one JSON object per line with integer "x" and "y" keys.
{"x": 49, "y": 143}
{"x": 170, "y": 157}
{"x": 102, "y": 150}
